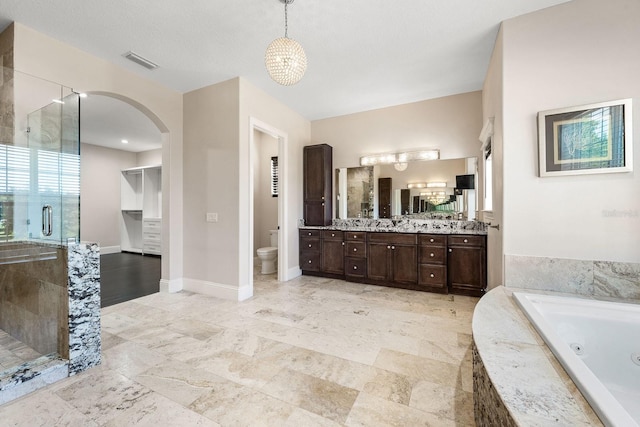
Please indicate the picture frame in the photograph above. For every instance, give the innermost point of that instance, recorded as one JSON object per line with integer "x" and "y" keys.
{"x": 586, "y": 139}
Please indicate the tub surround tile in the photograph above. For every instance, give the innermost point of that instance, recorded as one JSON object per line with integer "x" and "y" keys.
{"x": 549, "y": 274}
{"x": 600, "y": 279}
{"x": 516, "y": 378}
{"x": 617, "y": 280}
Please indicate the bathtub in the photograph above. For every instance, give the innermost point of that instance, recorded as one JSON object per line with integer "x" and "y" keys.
{"x": 598, "y": 344}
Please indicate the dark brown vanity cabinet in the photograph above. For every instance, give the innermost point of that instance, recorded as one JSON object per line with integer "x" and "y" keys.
{"x": 384, "y": 198}
{"x": 317, "y": 184}
{"x": 333, "y": 252}
{"x": 443, "y": 263}
{"x": 467, "y": 264}
{"x": 310, "y": 250}
{"x": 355, "y": 255}
{"x": 432, "y": 259}
{"x": 392, "y": 258}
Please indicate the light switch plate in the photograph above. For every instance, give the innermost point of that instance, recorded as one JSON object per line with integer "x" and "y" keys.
{"x": 212, "y": 217}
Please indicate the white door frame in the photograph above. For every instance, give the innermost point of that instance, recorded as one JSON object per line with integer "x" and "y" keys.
{"x": 282, "y": 137}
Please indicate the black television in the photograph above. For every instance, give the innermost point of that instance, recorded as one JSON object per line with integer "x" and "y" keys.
{"x": 465, "y": 182}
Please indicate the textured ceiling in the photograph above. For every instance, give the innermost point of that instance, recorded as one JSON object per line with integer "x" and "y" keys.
{"x": 363, "y": 54}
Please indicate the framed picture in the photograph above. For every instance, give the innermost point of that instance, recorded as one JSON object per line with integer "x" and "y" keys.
{"x": 588, "y": 139}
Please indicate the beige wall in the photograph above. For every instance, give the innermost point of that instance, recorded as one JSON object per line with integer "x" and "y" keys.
{"x": 492, "y": 108}
{"x": 211, "y": 183}
{"x": 100, "y": 191}
{"x": 149, "y": 158}
{"x": 42, "y": 56}
{"x": 577, "y": 53}
{"x": 451, "y": 124}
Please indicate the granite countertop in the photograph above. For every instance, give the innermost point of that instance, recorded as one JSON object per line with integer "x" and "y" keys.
{"x": 431, "y": 226}
{"x": 526, "y": 375}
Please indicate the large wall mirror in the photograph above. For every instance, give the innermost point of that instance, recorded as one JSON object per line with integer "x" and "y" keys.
{"x": 421, "y": 187}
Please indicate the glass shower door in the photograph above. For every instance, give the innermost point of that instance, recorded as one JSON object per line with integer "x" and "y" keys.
{"x": 53, "y": 141}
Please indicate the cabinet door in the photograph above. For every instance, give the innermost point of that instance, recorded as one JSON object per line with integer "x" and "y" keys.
{"x": 316, "y": 213}
{"x": 405, "y": 263}
{"x": 333, "y": 256}
{"x": 466, "y": 269}
{"x": 384, "y": 198}
{"x": 378, "y": 265}
{"x": 317, "y": 172}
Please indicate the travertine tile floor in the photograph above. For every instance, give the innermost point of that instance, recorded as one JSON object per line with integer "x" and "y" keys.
{"x": 308, "y": 352}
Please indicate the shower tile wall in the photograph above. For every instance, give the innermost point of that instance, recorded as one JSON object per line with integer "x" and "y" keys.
{"x": 6, "y": 87}
{"x": 620, "y": 280}
{"x": 34, "y": 304}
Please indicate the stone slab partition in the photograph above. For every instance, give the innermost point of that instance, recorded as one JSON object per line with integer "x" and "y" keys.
{"x": 84, "y": 307}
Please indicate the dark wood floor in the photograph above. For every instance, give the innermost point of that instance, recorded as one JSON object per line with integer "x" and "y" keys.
{"x": 125, "y": 276}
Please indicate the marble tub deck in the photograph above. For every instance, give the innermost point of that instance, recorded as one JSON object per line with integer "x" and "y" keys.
{"x": 308, "y": 352}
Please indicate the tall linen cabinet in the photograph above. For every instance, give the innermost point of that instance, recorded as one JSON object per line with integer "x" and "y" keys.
{"x": 318, "y": 184}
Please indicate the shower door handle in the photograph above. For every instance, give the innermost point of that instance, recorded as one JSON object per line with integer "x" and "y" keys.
{"x": 47, "y": 220}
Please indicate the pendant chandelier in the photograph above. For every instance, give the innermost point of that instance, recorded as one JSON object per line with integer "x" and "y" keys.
{"x": 285, "y": 59}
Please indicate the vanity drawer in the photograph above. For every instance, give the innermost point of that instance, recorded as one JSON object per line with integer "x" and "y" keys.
{"x": 393, "y": 238}
{"x": 356, "y": 267}
{"x": 332, "y": 235}
{"x": 356, "y": 249}
{"x": 466, "y": 240}
{"x": 432, "y": 275}
{"x": 432, "y": 239}
{"x": 432, "y": 255}
{"x": 310, "y": 244}
{"x": 355, "y": 236}
{"x": 310, "y": 261}
{"x": 310, "y": 233}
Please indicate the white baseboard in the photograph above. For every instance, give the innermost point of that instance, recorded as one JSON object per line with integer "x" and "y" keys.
{"x": 292, "y": 273}
{"x": 217, "y": 290}
{"x": 171, "y": 286}
{"x": 105, "y": 250}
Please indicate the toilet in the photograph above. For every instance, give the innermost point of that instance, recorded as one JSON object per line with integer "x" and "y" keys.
{"x": 269, "y": 255}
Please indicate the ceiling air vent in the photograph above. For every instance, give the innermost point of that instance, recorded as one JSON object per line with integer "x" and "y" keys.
{"x": 140, "y": 60}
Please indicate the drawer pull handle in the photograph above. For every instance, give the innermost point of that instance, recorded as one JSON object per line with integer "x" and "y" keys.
{"x": 432, "y": 275}
{"x": 309, "y": 261}
{"x": 342, "y": 243}
{"x": 355, "y": 267}
{"x": 333, "y": 234}
{"x": 355, "y": 237}
{"x": 432, "y": 255}
{"x": 309, "y": 244}
{"x": 466, "y": 241}
{"x": 393, "y": 247}
{"x": 388, "y": 247}
{"x": 450, "y": 250}
{"x": 309, "y": 234}
{"x": 431, "y": 240}
{"x": 355, "y": 249}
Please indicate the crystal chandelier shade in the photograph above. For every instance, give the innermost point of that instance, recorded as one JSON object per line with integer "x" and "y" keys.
{"x": 285, "y": 59}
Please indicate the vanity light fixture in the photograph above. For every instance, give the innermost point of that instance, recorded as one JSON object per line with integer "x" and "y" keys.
{"x": 285, "y": 59}
{"x": 436, "y": 184}
{"x": 417, "y": 185}
{"x": 403, "y": 157}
